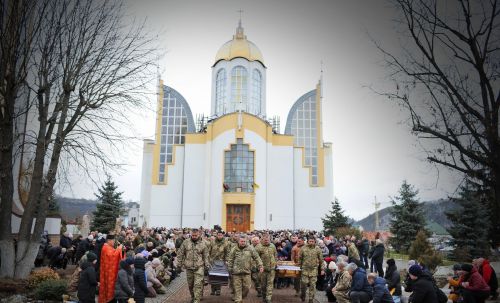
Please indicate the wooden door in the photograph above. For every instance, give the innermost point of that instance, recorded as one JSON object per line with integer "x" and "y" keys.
{"x": 238, "y": 217}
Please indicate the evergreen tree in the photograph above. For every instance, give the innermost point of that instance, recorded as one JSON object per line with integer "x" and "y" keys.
{"x": 335, "y": 219}
{"x": 54, "y": 208}
{"x": 469, "y": 221}
{"x": 422, "y": 251}
{"x": 109, "y": 208}
{"x": 407, "y": 217}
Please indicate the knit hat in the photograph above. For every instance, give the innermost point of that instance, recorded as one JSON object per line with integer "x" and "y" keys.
{"x": 90, "y": 237}
{"x": 129, "y": 260}
{"x": 156, "y": 262}
{"x": 415, "y": 270}
{"x": 332, "y": 266}
{"x": 91, "y": 257}
{"x": 391, "y": 262}
{"x": 466, "y": 267}
{"x": 457, "y": 267}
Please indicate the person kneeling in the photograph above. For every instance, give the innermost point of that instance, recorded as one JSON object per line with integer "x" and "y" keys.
{"x": 381, "y": 293}
{"x": 361, "y": 290}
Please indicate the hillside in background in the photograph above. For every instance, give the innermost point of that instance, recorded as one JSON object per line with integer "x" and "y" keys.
{"x": 70, "y": 208}
{"x": 434, "y": 212}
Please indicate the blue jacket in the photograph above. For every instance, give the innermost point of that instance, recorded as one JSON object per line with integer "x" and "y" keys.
{"x": 360, "y": 282}
{"x": 381, "y": 293}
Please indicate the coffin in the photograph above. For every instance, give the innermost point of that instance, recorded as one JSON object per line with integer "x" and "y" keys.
{"x": 218, "y": 274}
{"x": 287, "y": 269}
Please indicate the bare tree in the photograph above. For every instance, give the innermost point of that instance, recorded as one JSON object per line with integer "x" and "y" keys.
{"x": 447, "y": 78}
{"x": 19, "y": 25}
{"x": 88, "y": 70}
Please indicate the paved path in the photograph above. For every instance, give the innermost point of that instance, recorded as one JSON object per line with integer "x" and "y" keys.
{"x": 279, "y": 295}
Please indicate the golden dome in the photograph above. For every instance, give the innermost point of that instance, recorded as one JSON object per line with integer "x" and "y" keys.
{"x": 239, "y": 47}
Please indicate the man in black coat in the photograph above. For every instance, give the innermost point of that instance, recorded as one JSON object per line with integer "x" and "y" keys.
{"x": 83, "y": 247}
{"x": 378, "y": 257}
{"x": 140, "y": 286}
{"x": 87, "y": 283}
{"x": 393, "y": 279}
{"x": 423, "y": 286}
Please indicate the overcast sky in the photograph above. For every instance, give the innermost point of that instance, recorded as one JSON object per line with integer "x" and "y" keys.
{"x": 373, "y": 150}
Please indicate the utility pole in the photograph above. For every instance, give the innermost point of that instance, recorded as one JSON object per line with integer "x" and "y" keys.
{"x": 377, "y": 206}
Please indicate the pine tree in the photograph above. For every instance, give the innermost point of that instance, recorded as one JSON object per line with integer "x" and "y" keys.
{"x": 407, "y": 218}
{"x": 109, "y": 208}
{"x": 468, "y": 223}
{"x": 335, "y": 219}
{"x": 422, "y": 251}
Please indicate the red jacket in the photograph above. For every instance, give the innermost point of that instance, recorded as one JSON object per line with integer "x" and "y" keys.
{"x": 486, "y": 271}
{"x": 476, "y": 282}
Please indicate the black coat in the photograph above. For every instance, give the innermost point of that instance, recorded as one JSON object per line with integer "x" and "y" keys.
{"x": 87, "y": 283}
{"x": 140, "y": 287}
{"x": 378, "y": 253}
{"x": 82, "y": 248}
{"x": 393, "y": 279}
{"x": 423, "y": 290}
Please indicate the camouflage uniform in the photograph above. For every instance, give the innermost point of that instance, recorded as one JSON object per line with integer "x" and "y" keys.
{"x": 239, "y": 265}
{"x": 231, "y": 245}
{"x": 219, "y": 250}
{"x": 268, "y": 255}
{"x": 310, "y": 258}
{"x": 255, "y": 275}
{"x": 352, "y": 252}
{"x": 193, "y": 255}
{"x": 342, "y": 287}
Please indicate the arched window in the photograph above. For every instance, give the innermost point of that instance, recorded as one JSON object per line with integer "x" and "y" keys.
{"x": 220, "y": 91}
{"x": 238, "y": 87}
{"x": 239, "y": 168}
{"x": 256, "y": 92}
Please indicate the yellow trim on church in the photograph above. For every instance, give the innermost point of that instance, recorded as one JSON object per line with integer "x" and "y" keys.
{"x": 319, "y": 139}
{"x": 249, "y": 122}
{"x": 156, "y": 153}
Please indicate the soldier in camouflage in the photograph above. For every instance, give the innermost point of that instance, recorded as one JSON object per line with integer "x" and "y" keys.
{"x": 268, "y": 255}
{"x": 239, "y": 266}
{"x": 310, "y": 259}
{"x": 233, "y": 243}
{"x": 194, "y": 256}
{"x": 219, "y": 250}
{"x": 255, "y": 270}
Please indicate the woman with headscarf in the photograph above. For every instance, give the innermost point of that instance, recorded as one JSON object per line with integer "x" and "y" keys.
{"x": 474, "y": 288}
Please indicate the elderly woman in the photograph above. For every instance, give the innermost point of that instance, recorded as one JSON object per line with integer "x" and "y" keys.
{"x": 324, "y": 249}
{"x": 154, "y": 284}
{"x": 341, "y": 289}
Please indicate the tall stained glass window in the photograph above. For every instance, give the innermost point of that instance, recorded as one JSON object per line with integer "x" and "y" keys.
{"x": 302, "y": 124}
{"x": 239, "y": 80}
{"x": 254, "y": 106}
{"x": 220, "y": 92}
{"x": 174, "y": 125}
{"x": 239, "y": 168}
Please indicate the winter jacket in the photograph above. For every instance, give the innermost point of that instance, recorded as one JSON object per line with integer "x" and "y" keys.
{"x": 352, "y": 252}
{"x": 87, "y": 283}
{"x": 489, "y": 275}
{"x": 366, "y": 247}
{"x": 360, "y": 282}
{"x": 151, "y": 276}
{"x": 378, "y": 253}
{"x": 65, "y": 242}
{"x": 74, "y": 279}
{"x": 124, "y": 285}
{"x": 423, "y": 290}
{"x": 140, "y": 286}
{"x": 381, "y": 293}
{"x": 393, "y": 280}
{"x": 82, "y": 248}
{"x": 476, "y": 281}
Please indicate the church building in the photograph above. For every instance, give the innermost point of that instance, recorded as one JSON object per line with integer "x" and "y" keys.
{"x": 235, "y": 169}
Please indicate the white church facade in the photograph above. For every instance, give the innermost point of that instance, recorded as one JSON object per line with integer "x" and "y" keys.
{"x": 236, "y": 169}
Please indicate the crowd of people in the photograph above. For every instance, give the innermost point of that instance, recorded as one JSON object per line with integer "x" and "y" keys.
{"x": 140, "y": 263}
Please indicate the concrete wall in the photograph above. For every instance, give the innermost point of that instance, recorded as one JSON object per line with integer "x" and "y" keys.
{"x": 166, "y": 200}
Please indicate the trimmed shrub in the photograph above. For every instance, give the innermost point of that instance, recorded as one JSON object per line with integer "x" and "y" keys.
{"x": 51, "y": 290}
{"x": 37, "y": 276}
{"x": 344, "y": 231}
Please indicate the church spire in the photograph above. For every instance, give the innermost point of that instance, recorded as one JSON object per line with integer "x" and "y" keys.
{"x": 239, "y": 29}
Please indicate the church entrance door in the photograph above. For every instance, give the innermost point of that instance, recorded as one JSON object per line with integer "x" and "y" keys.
{"x": 238, "y": 217}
